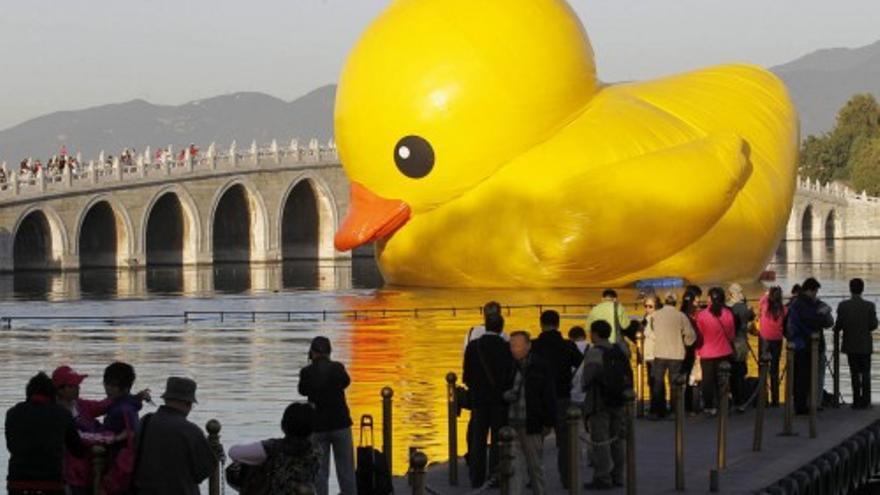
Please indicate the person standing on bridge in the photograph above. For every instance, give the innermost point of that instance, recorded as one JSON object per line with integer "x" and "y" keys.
{"x": 564, "y": 359}
{"x": 324, "y": 382}
{"x": 671, "y": 332}
{"x": 717, "y": 331}
{"x": 857, "y": 319}
{"x": 806, "y": 316}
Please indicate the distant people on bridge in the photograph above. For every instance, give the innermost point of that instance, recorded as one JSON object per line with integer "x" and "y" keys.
{"x": 807, "y": 316}
{"x": 38, "y": 433}
{"x": 324, "y": 382}
{"x": 563, "y": 359}
{"x": 477, "y": 331}
{"x": 175, "y": 456}
{"x": 488, "y": 371}
{"x": 282, "y": 463}
{"x": 739, "y": 369}
{"x": 532, "y": 413}
{"x": 671, "y": 332}
{"x": 857, "y": 320}
{"x": 717, "y": 328}
{"x": 607, "y": 376}
{"x": 614, "y": 313}
{"x": 771, "y": 323}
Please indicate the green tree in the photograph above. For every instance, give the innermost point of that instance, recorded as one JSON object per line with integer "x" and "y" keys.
{"x": 865, "y": 165}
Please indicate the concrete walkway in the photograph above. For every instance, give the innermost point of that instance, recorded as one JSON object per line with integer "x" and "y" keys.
{"x": 746, "y": 471}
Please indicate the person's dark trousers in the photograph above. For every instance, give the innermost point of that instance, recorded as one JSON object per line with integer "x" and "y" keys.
{"x": 860, "y": 374}
{"x": 709, "y": 385}
{"x": 774, "y": 347}
{"x": 802, "y": 381}
{"x": 738, "y": 372}
{"x": 561, "y": 432}
{"x": 660, "y": 370}
{"x": 484, "y": 419}
{"x": 649, "y": 380}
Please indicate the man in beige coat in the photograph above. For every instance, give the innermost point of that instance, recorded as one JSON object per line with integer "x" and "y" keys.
{"x": 671, "y": 331}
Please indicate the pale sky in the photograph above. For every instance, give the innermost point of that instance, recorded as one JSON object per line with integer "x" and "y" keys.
{"x": 71, "y": 54}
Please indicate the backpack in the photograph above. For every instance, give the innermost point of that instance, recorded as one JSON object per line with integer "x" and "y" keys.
{"x": 372, "y": 473}
{"x": 617, "y": 376}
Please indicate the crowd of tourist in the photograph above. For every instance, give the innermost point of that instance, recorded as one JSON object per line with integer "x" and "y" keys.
{"x": 518, "y": 380}
{"x": 529, "y": 383}
{"x": 56, "y": 165}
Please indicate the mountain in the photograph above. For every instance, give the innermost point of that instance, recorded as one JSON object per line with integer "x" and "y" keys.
{"x": 138, "y": 124}
{"x": 821, "y": 82}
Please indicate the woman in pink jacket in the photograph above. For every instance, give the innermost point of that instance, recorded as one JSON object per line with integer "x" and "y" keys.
{"x": 717, "y": 329}
{"x": 771, "y": 325}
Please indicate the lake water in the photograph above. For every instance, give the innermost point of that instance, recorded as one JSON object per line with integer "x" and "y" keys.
{"x": 247, "y": 370}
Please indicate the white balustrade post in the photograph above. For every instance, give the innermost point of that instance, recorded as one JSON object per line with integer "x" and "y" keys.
{"x": 233, "y": 157}
{"x": 139, "y": 165}
{"x": 212, "y": 156}
{"x": 66, "y": 176}
{"x": 148, "y": 156}
{"x": 93, "y": 172}
{"x": 255, "y": 154}
{"x": 117, "y": 168}
{"x": 314, "y": 150}
{"x": 275, "y": 153}
{"x": 13, "y": 179}
{"x": 188, "y": 160}
{"x": 294, "y": 150}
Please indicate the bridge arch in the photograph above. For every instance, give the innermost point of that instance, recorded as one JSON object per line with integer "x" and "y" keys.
{"x": 243, "y": 234}
{"x": 830, "y": 225}
{"x": 39, "y": 239}
{"x": 171, "y": 228}
{"x": 104, "y": 236}
{"x": 307, "y": 219}
{"x": 807, "y": 222}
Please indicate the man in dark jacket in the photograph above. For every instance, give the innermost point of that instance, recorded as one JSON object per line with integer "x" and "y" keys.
{"x": 807, "y": 316}
{"x": 37, "y": 431}
{"x": 324, "y": 383}
{"x": 563, "y": 358}
{"x": 532, "y": 413}
{"x": 488, "y": 372}
{"x": 173, "y": 454}
{"x": 857, "y": 318}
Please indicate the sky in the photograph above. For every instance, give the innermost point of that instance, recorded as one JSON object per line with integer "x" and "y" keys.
{"x": 72, "y": 54}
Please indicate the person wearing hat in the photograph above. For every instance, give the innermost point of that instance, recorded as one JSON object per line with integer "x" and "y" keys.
{"x": 173, "y": 453}
{"x": 744, "y": 316}
{"x": 324, "y": 382}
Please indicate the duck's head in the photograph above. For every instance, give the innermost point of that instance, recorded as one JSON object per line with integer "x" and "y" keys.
{"x": 439, "y": 94}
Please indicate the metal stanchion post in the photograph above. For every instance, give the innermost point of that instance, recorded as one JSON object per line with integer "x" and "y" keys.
{"x": 723, "y": 412}
{"x": 452, "y": 429}
{"x": 387, "y": 426}
{"x": 213, "y": 429}
{"x": 814, "y": 382}
{"x": 679, "y": 388}
{"x": 417, "y": 464}
{"x": 641, "y": 369}
{"x": 506, "y": 437}
{"x": 789, "y": 391}
{"x": 630, "y": 398}
{"x": 573, "y": 420}
{"x": 99, "y": 463}
{"x": 763, "y": 372}
{"x": 836, "y": 370}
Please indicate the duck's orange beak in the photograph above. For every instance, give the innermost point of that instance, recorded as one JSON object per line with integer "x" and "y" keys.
{"x": 370, "y": 218}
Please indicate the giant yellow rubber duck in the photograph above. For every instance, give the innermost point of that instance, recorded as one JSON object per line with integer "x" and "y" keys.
{"x": 483, "y": 152}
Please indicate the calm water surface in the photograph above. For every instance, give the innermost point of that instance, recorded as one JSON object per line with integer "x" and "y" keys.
{"x": 248, "y": 371}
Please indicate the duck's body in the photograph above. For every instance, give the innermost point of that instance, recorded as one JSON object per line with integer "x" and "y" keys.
{"x": 690, "y": 176}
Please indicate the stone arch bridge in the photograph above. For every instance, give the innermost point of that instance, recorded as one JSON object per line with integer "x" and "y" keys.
{"x": 261, "y": 204}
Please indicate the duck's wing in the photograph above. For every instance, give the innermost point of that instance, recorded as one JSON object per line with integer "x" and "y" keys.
{"x": 642, "y": 209}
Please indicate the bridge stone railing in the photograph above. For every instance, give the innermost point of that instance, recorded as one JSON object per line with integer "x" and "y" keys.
{"x": 144, "y": 167}
{"x": 833, "y": 189}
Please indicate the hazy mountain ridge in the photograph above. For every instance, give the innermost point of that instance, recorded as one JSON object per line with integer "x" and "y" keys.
{"x": 819, "y": 82}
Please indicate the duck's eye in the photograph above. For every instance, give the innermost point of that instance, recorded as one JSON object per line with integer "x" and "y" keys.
{"x": 414, "y": 156}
